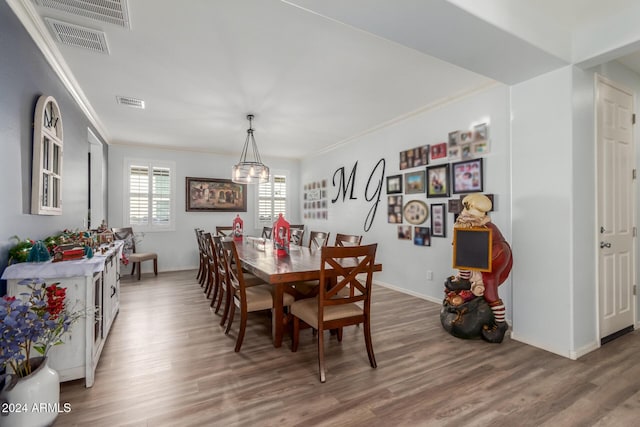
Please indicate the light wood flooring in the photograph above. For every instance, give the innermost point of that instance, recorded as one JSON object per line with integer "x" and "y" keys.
{"x": 167, "y": 362}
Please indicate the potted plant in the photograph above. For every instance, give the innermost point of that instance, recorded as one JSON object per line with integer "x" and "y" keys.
{"x": 30, "y": 325}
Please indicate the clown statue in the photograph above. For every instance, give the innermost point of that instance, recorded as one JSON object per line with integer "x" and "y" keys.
{"x": 464, "y": 314}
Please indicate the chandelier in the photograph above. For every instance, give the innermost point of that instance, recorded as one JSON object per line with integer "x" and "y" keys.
{"x": 250, "y": 170}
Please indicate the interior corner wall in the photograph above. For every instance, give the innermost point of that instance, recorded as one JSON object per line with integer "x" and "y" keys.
{"x": 406, "y": 267}
{"x": 177, "y": 249}
{"x": 25, "y": 75}
{"x": 542, "y": 211}
{"x": 584, "y": 298}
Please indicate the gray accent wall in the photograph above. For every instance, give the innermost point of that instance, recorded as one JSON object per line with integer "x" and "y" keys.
{"x": 25, "y": 75}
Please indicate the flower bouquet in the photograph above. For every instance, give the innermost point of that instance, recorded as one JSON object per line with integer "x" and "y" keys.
{"x": 36, "y": 320}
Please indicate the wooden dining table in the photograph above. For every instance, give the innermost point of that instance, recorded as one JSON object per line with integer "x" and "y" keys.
{"x": 259, "y": 258}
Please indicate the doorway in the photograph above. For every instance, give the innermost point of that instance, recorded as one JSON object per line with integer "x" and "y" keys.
{"x": 616, "y": 208}
{"x": 97, "y": 183}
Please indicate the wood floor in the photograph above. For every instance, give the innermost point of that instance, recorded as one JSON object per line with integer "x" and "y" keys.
{"x": 167, "y": 362}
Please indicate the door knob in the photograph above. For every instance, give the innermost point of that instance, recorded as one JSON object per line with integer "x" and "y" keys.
{"x": 605, "y": 245}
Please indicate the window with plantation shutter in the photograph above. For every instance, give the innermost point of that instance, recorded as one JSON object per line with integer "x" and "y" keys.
{"x": 149, "y": 195}
{"x": 272, "y": 198}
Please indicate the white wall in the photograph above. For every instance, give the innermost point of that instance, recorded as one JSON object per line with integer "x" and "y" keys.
{"x": 543, "y": 230}
{"x": 177, "y": 250}
{"x": 405, "y": 265}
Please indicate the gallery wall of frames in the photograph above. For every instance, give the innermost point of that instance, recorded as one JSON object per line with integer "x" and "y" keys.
{"x": 444, "y": 173}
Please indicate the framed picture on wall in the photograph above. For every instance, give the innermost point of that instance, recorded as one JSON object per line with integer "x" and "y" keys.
{"x": 415, "y": 212}
{"x": 394, "y": 184}
{"x": 438, "y": 181}
{"x": 404, "y": 232}
{"x": 438, "y": 220}
{"x": 414, "y": 182}
{"x": 211, "y": 195}
{"x": 467, "y": 176}
{"x": 394, "y": 209}
{"x": 422, "y": 236}
{"x": 438, "y": 151}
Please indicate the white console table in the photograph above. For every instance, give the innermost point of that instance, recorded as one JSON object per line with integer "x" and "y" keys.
{"x": 93, "y": 282}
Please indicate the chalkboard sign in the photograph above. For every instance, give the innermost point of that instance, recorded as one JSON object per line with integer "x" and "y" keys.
{"x": 472, "y": 249}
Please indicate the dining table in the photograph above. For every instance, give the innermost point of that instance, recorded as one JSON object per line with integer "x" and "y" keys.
{"x": 259, "y": 258}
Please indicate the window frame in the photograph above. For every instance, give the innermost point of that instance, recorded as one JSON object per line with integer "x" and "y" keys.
{"x": 150, "y": 164}
{"x": 287, "y": 198}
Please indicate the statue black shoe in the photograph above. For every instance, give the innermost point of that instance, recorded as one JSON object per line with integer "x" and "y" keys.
{"x": 494, "y": 334}
{"x": 453, "y": 284}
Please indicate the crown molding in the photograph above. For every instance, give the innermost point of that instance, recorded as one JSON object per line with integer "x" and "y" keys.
{"x": 31, "y": 21}
{"x": 440, "y": 103}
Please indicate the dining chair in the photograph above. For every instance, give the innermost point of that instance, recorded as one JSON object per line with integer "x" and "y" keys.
{"x": 296, "y": 236}
{"x": 266, "y": 232}
{"x": 339, "y": 267}
{"x": 318, "y": 239}
{"x": 309, "y": 288}
{"x": 201, "y": 254}
{"x": 224, "y": 230}
{"x": 213, "y": 280}
{"x": 207, "y": 262}
{"x": 135, "y": 258}
{"x": 246, "y": 298}
{"x": 347, "y": 240}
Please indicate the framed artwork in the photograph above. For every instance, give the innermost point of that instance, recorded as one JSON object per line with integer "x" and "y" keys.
{"x": 438, "y": 181}
{"x": 394, "y": 209}
{"x": 315, "y": 200}
{"x": 454, "y": 138}
{"x": 211, "y": 195}
{"x": 466, "y": 137}
{"x": 438, "y": 151}
{"x": 416, "y": 212}
{"x": 394, "y": 184}
{"x": 454, "y": 206}
{"x": 467, "y": 176}
{"x": 414, "y": 182}
{"x": 438, "y": 220}
{"x": 422, "y": 236}
{"x": 404, "y": 232}
{"x": 466, "y": 151}
{"x": 480, "y": 132}
{"x": 418, "y": 156}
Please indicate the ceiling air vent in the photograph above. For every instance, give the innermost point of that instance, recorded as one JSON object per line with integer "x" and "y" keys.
{"x": 75, "y": 35}
{"x": 109, "y": 11}
{"x": 130, "y": 102}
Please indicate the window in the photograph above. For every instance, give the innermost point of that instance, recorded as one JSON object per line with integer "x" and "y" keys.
{"x": 149, "y": 195}
{"x": 272, "y": 198}
{"x": 46, "y": 193}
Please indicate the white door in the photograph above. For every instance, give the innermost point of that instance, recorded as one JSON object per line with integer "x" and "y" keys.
{"x": 616, "y": 160}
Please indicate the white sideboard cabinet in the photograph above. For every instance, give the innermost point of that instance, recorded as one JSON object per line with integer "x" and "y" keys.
{"x": 91, "y": 283}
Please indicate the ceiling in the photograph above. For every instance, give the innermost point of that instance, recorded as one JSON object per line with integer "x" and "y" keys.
{"x": 314, "y": 73}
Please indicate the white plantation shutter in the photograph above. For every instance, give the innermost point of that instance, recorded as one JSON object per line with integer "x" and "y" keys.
{"x": 138, "y": 195}
{"x": 272, "y": 199}
{"x": 150, "y": 195}
{"x": 161, "y": 196}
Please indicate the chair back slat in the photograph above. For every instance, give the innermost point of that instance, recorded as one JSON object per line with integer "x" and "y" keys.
{"x": 266, "y": 232}
{"x": 125, "y": 234}
{"x": 348, "y": 240}
{"x": 318, "y": 239}
{"x": 224, "y": 231}
{"x": 340, "y": 267}
{"x": 297, "y": 235}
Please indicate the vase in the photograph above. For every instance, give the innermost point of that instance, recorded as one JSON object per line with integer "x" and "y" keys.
{"x": 31, "y": 401}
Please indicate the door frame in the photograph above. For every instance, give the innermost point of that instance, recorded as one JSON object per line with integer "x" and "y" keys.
{"x": 598, "y": 79}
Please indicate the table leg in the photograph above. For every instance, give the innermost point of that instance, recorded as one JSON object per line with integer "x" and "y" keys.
{"x": 277, "y": 320}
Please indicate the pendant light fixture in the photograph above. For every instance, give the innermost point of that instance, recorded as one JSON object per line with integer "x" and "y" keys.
{"x": 250, "y": 170}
